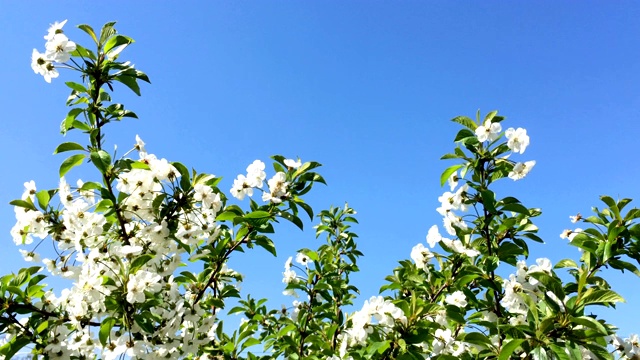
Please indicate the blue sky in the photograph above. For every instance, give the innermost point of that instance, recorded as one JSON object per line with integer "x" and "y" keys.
{"x": 367, "y": 88}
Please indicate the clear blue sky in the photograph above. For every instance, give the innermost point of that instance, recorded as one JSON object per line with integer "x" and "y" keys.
{"x": 365, "y": 87}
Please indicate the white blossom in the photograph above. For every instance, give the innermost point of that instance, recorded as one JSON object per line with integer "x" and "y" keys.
{"x": 488, "y": 131}
{"x": 520, "y": 170}
{"x": 457, "y": 298}
{"x": 518, "y": 139}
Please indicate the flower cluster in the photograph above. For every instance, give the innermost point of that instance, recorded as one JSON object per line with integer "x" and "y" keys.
{"x": 278, "y": 184}
{"x": 628, "y": 348}
{"x": 131, "y": 265}
{"x": 375, "y": 313}
{"x": 58, "y": 49}
{"x": 521, "y": 285}
{"x": 517, "y": 141}
{"x": 244, "y": 184}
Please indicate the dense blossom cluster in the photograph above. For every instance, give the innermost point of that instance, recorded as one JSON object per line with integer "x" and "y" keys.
{"x": 105, "y": 264}
{"x": 278, "y": 184}
{"x": 521, "y": 285}
{"x": 375, "y": 313}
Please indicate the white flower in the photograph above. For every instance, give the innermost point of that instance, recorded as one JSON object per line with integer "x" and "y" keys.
{"x": 458, "y": 247}
{"x": 433, "y": 236}
{"x": 489, "y": 131}
{"x": 570, "y": 234}
{"x": 489, "y": 316}
{"x": 55, "y": 28}
{"x": 209, "y": 199}
{"x": 451, "y": 221}
{"x": 256, "y": 174}
{"x": 294, "y": 164}
{"x": 302, "y": 259}
{"x": 241, "y": 187}
{"x": 453, "y": 180}
{"x": 421, "y": 256}
{"x": 543, "y": 265}
{"x": 520, "y": 170}
{"x": 29, "y": 190}
{"x": 441, "y": 339}
{"x": 289, "y": 275}
{"x": 41, "y": 65}
{"x": 140, "y": 145}
{"x": 277, "y": 188}
{"x": 632, "y": 346}
{"x": 59, "y": 48}
{"x": 140, "y": 282}
{"x": 575, "y": 219}
{"x": 162, "y": 169}
{"x": 30, "y": 256}
{"x": 518, "y": 139}
{"x": 457, "y": 298}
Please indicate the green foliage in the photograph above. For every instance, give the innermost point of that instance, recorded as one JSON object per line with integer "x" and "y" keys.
{"x": 143, "y": 220}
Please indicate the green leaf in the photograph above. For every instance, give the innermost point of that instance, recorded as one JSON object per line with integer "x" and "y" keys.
{"x": 89, "y": 30}
{"x": 450, "y": 156}
{"x": 12, "y": 347}
{"x": 67, "y": 123}
{"x": 378, "y": 347}
{"x": 623, "y": 265}
{"x": 517, "y": 208}
{"x": 130, "y": 81}
{"x": 306, "y": 208}
{"x": 539, "y": 353}
{"x": 447, "y": 173}
{"x": 533, "y": 237}
{"x": 185, "y": 177}
{"x": 68, "y": 146}
{"x": 139, "y": 261}
{"x": 27, "y": 204}
{"x": 70, "y": 163}
{"x": 566, "y": 263}
{"x": 107, "y": 31}
{"x": 490, "y": 116}
{"x": 465, "y": 121}
{"x": 250, "y": 342}
{"x": 145, "y": 322}
{"x": 509, "y": 348}
{"x": 463, "y": 134}
{"x": 561, "y": 352}
{"x": 116, "y": 41}
{"x": 477, "y": 338}
{"x": 266, "y": 243}
{"x": 489, "y": 201}
{"x": 101, "y": 159}
{"x": 258, "y": 215}
{"x": 43, "y": 198}
{"x": 83, "y": 52}
{"x": 294, "y": 219}
{"x": 590, "y": 322}
{"x": 77, "y": 87}
{"x": 226, "y": 216}
{"x": 612, "y": 205}
{"x": 601, "y": 297}
{"x": 491, "y": 263}
{"x": 105, "y": 330}
{"x": 551, "y": 283}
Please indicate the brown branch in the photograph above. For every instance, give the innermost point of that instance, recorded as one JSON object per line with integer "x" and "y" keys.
{"x": 220, "y": 263}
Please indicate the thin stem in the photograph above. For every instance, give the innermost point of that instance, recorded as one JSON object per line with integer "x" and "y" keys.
{"x": 220, "y": 263}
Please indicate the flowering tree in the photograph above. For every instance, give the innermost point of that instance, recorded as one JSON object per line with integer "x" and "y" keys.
{"x": 121, "y": 241}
